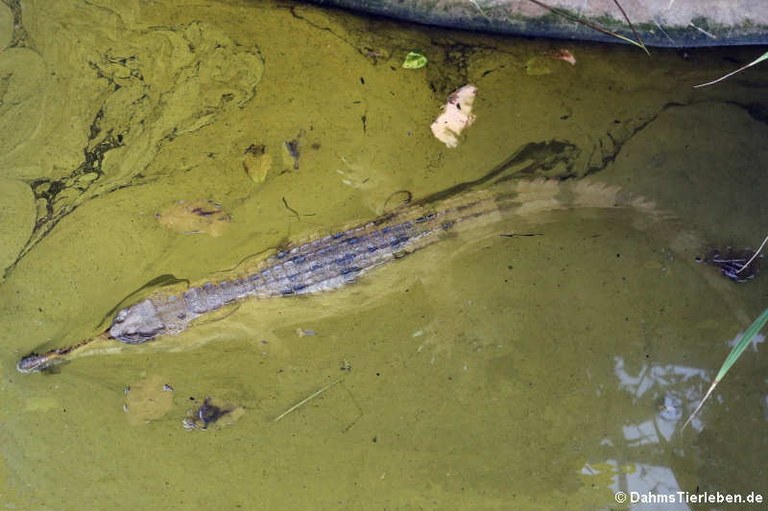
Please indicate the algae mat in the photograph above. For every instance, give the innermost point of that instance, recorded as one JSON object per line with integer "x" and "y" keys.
{"x": 543, "y": 366}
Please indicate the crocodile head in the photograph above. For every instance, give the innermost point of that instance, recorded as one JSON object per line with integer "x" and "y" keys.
{"x": 137, "y": 324}
{"x": 35, "y": 362}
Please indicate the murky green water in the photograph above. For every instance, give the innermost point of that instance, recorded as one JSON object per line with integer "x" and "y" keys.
{"x": 506, "y": 372}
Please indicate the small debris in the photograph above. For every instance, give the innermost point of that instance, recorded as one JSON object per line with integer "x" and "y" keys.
{"x": 293, "y": 150}
{"x": 735, "y": 265}
{"x": 208, "y": 414}
{"x": 305, "y": 332}
{"x": 376, "y": 55}
{"x": 204, "y": 416}
{"x": 194, "y": 217}
{"x": 671, "y": 408}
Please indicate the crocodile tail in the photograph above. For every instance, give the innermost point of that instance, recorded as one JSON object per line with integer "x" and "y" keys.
{"x": 528, "y": 197}
{"x": 532, "y": 199}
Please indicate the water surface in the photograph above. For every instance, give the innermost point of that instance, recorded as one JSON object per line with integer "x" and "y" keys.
{"x": 492, "y": 371}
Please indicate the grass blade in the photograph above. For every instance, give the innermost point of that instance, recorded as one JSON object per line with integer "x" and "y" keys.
{"x": 754, "y": 256}
{"x": 737, "y": 350}
{"x": 732, "y": 357}
{"x": 638, "y": 39}
{"x": 639, "y": 43}
{"x": 759, "y": 59}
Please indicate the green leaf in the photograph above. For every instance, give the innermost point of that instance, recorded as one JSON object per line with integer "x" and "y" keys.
{"x": 737, "y": 350}
{"x": 414, "y": 60}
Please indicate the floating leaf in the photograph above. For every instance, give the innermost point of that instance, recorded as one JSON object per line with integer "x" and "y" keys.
{"x": 194, "y": 217}
{"x": 564, "y": 55}
{"x": 257, "y": 162}
{"x": 414, "y": 60}
{"x": 537, "y": 66}
{"x": 456, "y": 117}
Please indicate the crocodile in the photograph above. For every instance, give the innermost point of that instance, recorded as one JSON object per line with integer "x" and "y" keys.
{"x": 336, "y": 260}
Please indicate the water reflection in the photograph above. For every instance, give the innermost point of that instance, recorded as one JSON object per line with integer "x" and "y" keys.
{"x": 675, "y": 390}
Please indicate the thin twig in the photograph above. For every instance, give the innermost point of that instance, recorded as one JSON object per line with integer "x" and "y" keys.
{"x": 480, "y": 10}
{"x": 589, "y": 24}
{"x": 631, "y": 26}
{"x": 306, "y": 400}
{"x": 285, "y": 203}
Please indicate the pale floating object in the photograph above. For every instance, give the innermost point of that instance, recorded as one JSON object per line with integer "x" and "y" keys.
{"x": 565, "y": 55}
{"x": 257, "y": 163}
{"x": 456, "y": 117}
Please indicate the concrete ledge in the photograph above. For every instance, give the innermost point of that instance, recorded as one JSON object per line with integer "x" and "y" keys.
{"x": 667, "y": 23}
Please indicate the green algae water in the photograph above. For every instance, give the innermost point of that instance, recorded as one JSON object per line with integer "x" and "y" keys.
{"x": 543, "y": 365}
